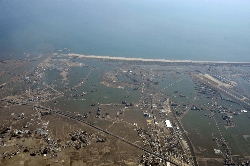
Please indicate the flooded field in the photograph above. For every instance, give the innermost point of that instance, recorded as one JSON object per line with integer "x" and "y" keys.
{"x": 178, "y": 113}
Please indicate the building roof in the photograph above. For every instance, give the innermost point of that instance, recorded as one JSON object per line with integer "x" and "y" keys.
{"x": 168, "y": 123}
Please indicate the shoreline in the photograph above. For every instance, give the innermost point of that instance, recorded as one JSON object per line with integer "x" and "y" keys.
{"x": 151, "y": 60}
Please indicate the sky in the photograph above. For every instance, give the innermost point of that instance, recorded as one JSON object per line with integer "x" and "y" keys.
{"x": 193, "y": 29}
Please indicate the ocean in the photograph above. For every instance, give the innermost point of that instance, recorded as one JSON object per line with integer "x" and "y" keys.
{"x": 191, "y": 30}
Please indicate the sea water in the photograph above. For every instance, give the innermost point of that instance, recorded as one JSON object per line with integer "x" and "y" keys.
{"x": 193, "y": 30}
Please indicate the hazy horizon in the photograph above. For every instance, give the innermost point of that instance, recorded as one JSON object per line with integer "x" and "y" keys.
{"x": 191, "y": 30}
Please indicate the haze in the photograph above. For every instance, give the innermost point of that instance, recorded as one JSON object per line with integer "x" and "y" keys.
{"x": 193, "y": 30}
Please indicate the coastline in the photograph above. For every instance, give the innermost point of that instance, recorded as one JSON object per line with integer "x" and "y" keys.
{"x": 151, "y": 60}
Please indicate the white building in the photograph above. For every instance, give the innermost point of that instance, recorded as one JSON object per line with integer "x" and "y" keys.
{"x": 168, "y": 123}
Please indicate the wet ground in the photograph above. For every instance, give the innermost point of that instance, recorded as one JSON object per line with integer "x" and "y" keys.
{"x": 128, "y": 100}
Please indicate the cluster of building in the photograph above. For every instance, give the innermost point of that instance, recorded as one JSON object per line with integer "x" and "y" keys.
{"x": 80, "y": 139}
{"x": 48, "y": 146}
{"x": 222, "y": 79}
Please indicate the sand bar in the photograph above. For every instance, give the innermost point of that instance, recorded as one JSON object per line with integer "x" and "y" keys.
{"x": 150, "y": 60}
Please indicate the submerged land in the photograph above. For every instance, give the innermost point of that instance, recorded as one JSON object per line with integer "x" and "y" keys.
{"x": 60, "y": 108}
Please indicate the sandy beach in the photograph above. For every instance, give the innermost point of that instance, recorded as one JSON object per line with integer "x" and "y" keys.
{"x": 150, "y": 60}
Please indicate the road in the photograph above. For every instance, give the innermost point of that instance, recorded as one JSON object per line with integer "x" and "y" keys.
{"x": 169, "y": 159}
